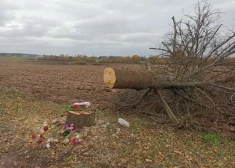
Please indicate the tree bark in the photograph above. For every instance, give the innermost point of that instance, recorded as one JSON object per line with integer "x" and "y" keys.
{"x": 126, "y": 79}
{"x": 80, "y": 119}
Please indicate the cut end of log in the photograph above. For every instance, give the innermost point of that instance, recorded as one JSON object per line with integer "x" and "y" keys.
{"x": 126, "y": 79}
{"x": 109, "y": 77}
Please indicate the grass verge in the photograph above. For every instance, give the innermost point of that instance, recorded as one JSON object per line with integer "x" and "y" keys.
{"x": 144, "y": 144}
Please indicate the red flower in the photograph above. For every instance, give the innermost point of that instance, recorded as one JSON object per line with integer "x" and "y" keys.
{"x": 33, "y": 136}
{"x": 45, "y": 128}
{"x": 76, "y": 106}
{"x": 75, "y": 141}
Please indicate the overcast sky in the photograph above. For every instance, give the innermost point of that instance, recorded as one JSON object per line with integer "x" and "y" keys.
{"x": 92, "y": 27}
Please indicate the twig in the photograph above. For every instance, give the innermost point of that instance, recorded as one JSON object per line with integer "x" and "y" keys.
{"x": 167, "y": 108}
{"x": 221, "y": 86}
{"x": 205, "y": 95}
{"x": 134, "y": 105}
{"x": 231, "y": 98}
{"x": 189, "y": 99}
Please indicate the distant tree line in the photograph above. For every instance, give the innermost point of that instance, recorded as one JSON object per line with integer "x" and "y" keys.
{"x": 135, "y": 59}
{"x": 18, "y": 55}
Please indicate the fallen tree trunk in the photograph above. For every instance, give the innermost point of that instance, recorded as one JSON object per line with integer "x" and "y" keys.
{"x": 122, "y": 79}
{"x": 139, "y": 80}
{"x": 126, "y": 79}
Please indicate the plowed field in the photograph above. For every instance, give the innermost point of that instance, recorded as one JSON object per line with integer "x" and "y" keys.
{"x": 59, "y": 83}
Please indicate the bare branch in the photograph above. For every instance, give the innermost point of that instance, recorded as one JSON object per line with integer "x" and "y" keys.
{"x": 175, "y": 34}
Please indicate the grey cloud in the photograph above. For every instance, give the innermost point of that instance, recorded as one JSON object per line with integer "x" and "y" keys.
{"x": 107, "y": 25}
{"x": 30, "y": 26}
{"x": 101, "y": 27}
{"x": 5, "y": 12}
{"x": 51, "y": 46}
{"x": 228, "y": 18}
{"x": 3, "y": 18}
{"x": 63, "y": 32}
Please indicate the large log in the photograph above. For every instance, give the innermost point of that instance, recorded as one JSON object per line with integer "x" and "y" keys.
{"x": 126, "y": 79}
{"x": 123, "y": 79}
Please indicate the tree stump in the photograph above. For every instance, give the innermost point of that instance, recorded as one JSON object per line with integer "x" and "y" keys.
{"x": 80, "y": 119}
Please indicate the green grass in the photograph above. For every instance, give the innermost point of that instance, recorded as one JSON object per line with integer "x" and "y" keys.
{"x": 213, "y": 138}
{"x": 144, "y": 144}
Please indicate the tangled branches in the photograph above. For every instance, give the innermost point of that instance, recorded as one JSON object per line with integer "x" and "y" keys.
{"x": 198, "y": 78}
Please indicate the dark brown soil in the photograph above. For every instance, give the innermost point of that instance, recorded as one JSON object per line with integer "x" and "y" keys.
{"x": 59, "y": 83}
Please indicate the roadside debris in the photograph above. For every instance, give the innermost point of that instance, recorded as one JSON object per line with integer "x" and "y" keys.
{"x": 66, "y": 140}
{"x": 48, "y": 145}
{"x": 100, "y": 122}
{"x": 78, "y": 105}
{"x": 58, "y": 131}
{"x": 123, "y": 122}
{"x": 66, "y": 135}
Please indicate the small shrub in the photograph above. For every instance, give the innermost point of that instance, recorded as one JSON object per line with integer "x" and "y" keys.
{"x": 213, "y": 138}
